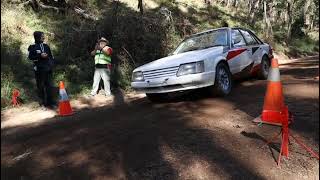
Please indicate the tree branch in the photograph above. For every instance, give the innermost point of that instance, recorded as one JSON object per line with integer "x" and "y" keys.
{"x": 37, "y": 3}
{"x": 49, "y": 7}
{"x": 129, "y": 56}
{"x": 85, "y": 15}
{"x": 83, "y": 30}
{"x": 25, "y": 3}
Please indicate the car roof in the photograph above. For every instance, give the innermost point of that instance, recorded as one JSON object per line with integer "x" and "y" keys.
{"x": 226, "y": 28}
{"x": 209, "y": 30}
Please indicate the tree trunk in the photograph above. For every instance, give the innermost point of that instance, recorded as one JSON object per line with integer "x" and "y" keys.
{"x": 306, "y": 13}
{"x": 272, "y": 11}
{"x": 311, "y": 24}
{"x": 235, "y": 3}
{"x": 270, "y": 16}
{"x": 254, "y": 8}
{"x": 250, "y": 7}
{"x": 140, "y": 6}
{"x": 267, "y": 25}
{"x": 265, "y": 28}
{"x": 228, "y": 3}
{"x": 115, "y": 57}
{"x": 207, "y": 2}
{"x": 289, "y": 21}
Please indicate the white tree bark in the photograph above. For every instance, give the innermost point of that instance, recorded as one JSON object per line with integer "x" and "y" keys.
{"x": 254, "y": 9}
{"x": 267, "y": 24}
{"x": 265, "y": 19}
{"x": 289, "y": 21}
{"x": 306, "y": 12}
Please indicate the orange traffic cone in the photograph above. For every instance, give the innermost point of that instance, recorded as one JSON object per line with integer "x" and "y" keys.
{"x": 274, "y": 109}
{"x": 275, "y": 112}
{"x": 64, "y": 103}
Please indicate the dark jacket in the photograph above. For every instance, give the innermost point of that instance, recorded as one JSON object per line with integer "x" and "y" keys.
{"x": 42, "y": 64}
{"x": 35, "y": 50}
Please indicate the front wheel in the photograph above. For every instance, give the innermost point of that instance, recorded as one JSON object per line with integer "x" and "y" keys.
{"x": 264, "y": 70}
{"x": 223, "y": 81}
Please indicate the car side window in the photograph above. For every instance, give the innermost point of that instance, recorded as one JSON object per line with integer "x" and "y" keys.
{"x": 237, "y": 38}
{"x": 250, "y": 40}
{"x": 255, "y": 37}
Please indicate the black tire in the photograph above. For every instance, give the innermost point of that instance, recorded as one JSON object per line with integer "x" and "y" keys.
{"x": 264, "y": 68}
{"x": 157, "y": 97}
{"x": 223, "y": 80}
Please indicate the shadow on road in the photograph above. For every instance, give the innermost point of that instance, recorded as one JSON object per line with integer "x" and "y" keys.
{"x": 125, "y": 141}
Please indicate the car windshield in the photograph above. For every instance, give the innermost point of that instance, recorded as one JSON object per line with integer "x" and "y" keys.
{"x": 203, "y": 41}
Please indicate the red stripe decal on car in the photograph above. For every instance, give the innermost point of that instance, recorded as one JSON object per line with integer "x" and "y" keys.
{"x": 235, "y": 53}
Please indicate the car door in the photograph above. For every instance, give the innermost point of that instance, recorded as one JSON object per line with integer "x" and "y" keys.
{"x": 254, "y": 45}
{"x": 239, "y": 56}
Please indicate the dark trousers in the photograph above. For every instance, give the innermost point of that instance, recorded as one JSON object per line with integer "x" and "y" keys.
{"x": 44, "y": 86}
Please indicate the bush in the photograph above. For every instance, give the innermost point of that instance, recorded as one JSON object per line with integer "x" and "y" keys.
{"x": 304, "y": 45}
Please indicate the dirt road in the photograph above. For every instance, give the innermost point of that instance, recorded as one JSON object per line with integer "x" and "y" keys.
{"x": 195, "y": 137}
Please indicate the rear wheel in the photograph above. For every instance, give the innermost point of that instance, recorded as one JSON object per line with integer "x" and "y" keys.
{"x": 223, "y": 81}
{"x": 264, "y": 70}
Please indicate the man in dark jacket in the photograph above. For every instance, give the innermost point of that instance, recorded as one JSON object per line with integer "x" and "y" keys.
{"x": 43, "y": 61}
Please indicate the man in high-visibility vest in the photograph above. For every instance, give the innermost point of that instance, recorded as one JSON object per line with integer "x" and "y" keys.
{"x": 102, "y": 58}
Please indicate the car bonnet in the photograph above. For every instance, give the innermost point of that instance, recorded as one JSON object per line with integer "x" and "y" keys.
{"x": 176, "y": 60}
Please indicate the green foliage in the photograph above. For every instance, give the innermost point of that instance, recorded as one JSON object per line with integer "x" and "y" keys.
{"x": 16, "y": 71}
{"x": 303, "y": 45}
{"x": 125, "y": 70}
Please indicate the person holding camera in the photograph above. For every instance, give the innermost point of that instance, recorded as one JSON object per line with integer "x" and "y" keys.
{"x": 102, "y": 58}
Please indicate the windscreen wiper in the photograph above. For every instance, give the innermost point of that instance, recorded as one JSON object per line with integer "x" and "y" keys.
{"x": 206, "y": 47}
{"x": 192, "y": 49}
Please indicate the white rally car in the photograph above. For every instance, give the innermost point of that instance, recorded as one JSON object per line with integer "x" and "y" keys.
{"x": 207, "y": 59}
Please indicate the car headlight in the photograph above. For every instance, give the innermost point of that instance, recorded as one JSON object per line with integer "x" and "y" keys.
{"x": 137, "y": 76}
{"x": 191, "y": 68}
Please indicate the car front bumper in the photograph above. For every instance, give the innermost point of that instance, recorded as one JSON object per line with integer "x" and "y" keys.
{"x": 174, "y": 83}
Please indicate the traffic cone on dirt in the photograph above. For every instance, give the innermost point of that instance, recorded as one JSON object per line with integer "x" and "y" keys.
{"x": 64, "y": 103}
{"x": 274, "y": 110}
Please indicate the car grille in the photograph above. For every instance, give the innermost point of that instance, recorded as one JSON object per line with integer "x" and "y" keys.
{"x": 160, "y": 73}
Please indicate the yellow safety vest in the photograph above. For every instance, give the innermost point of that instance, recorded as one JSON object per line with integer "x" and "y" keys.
{"x": 101, "y": 58}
